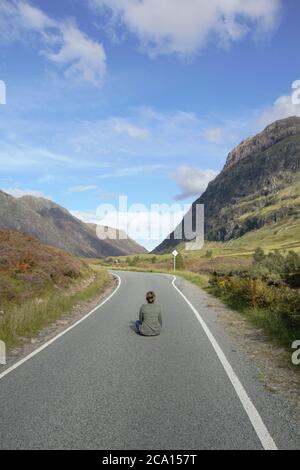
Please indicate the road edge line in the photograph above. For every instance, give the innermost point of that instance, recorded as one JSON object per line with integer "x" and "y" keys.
{"x": 62, "y": 333}
{"x": 260, "y": 428}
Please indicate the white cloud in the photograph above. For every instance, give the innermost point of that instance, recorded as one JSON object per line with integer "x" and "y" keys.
{"x": 192, "y": 181}
{"x": 121, "y": 126}
{"x": 215, "y": 135}
{"x": 17, "y": 156}
{"x": 33, "y": 18}
{"x": 283, "y": 107}
{"x": 235, "y": 129}
{"x": 18, "y": 192}
{"x": 82, "y": 188}
{"x": 133, "y": 171}
{"x": 173, "y": 135}
{"x": 20, "y": 157}
{"x": 185, "y": 27}
{"x": 65, "y": 44}
{"x": 82, "y": 56}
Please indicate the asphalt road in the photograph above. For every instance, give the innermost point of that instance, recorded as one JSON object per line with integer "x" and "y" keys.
{"x": 101, "y": 386}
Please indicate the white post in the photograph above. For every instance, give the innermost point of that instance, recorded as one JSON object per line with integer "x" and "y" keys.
{"x": 175, "y": 254}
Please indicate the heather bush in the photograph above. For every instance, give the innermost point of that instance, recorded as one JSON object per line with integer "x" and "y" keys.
{"x": 28, "y": 268}
{"x": 276, "y": 306}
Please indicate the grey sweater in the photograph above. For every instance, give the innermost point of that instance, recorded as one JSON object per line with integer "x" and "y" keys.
{"x": 150, "y": 316}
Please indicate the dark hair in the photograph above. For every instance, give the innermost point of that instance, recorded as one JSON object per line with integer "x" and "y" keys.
{"x": 150, "y": 296}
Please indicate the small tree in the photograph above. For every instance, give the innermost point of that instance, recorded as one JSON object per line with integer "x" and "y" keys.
{"x": 292, "y": 263}
{"x": 134, "y": 261}
{"x": 259, "y": 255}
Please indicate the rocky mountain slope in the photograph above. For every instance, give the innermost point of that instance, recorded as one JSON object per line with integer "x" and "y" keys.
{"x": 259, "y": 186}
{"x": 55, "y": 226}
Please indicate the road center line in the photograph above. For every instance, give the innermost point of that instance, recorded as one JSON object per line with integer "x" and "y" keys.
{"x": 255, "y": 418}
{"x": 44, "y": 346}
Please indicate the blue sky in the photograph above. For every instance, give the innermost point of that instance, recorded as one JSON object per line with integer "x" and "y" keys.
{"x": 141, "y": 98}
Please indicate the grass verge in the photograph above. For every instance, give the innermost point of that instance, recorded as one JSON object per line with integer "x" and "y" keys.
{"x": 201, "y": 280}
{"x": 273, "y": 325}
{"x": 24, "y": 322}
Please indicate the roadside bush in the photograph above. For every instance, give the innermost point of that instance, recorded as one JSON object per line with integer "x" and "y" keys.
{"x": 134, "y": 261}
{"x": 276, "y": 268}
{"x": 279, "y": 306}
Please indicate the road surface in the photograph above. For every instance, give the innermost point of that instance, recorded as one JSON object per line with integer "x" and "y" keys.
{"x": 101, "y": 386}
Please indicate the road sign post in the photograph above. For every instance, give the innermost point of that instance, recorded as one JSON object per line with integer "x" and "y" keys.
{"x": 175, "y": 254}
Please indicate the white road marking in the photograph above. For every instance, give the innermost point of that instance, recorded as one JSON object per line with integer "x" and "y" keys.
{"x": 44, "y": 346}
{"x": 255, "y": 418}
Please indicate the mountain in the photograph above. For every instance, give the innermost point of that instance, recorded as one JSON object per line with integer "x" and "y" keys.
{"x": 55, "y": 226}
{"x": 119, "y": 240}
{"x": 259, "y": 186}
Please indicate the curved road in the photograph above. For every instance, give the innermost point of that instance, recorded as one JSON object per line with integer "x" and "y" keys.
{"x": 101, "y": 386}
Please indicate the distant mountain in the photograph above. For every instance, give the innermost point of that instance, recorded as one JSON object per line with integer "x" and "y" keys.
{"x": 55, "y": 226}
{"x": 258, "y": 186}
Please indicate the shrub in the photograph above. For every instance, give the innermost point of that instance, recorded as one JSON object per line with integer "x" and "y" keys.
{"x": 134, "y": 261}
{"x": 259, "y": 255}
{"x": 279, "y": 305}
{"x": 179, "y": 262}
{"x": 209, "y": 254}
{"x": 274, "y": 267}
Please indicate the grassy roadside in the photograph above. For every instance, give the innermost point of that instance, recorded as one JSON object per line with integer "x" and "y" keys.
{"x": 273, "y": 326}
{"x": 22, "y": 322}
{"x": 274, "y": 310}
{"x": 201, "y": 280}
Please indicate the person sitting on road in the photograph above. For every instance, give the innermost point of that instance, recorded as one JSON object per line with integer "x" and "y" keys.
{"x": 150, "y": 319}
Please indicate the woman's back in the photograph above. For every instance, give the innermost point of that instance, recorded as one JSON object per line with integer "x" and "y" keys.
{"x": 151, "y": 319}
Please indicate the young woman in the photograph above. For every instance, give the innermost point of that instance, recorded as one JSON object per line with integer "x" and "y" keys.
{"x": 150, "y": 319}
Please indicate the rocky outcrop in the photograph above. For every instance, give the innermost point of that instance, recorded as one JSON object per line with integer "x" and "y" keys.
{"x": 249, "y": 192}
{"x": 274, "y": 133}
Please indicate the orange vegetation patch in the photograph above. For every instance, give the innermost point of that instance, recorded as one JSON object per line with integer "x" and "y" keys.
{"x": 27, "y": 267}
